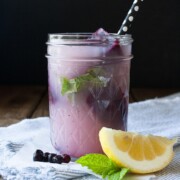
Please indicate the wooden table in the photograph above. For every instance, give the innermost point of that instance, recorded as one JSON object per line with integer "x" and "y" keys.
{"x": 19, "y": 102}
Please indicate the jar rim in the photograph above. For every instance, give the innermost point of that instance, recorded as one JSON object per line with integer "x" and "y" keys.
{"x": 86, "y": 38}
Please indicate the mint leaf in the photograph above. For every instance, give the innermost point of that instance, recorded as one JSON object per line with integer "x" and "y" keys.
{"x": 102, "y": 165}
{"x": 109, "y": 172}
{"x": 98, "y": 163}
{"x": 91, "y": 78}
{"x": 68, "y": 86}
{"x": 118, "y": 175}
{"x": 112, "y": 172}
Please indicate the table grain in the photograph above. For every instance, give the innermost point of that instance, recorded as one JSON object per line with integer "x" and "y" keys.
{"x": 20, "y": 102}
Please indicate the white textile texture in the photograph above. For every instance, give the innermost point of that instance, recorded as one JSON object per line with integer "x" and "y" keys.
{"x": 19, "y": 141}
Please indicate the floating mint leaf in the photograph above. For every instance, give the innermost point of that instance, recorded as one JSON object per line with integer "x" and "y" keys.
{"x": 68, "y": 86}
{"x": 91, "y": 78}
{"x": 102, "y": 165}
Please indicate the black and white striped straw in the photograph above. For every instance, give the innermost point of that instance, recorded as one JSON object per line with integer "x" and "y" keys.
{"x": 130, "y": 17}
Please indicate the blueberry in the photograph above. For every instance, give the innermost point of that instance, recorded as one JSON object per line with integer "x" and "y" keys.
{"x": 38, "y": 155}
{"x": 115, "y": 49}
{"x": 90, "y": 100}
{"x": 66, "y": 158}
{"x": 45, "y": 155}
{"x": 50, "y": 157}
{"x": 38, "y": 151}
{"x": 57, "y": 159}
{"x": 54, "y": 159}
{"x": 60, "y": 159}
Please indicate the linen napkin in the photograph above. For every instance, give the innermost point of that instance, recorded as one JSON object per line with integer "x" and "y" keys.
{"x": 160, "y": 116}
{"x": 19, "y": 141}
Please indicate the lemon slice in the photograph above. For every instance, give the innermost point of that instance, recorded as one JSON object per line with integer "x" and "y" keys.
{"x": 140, "y": 153}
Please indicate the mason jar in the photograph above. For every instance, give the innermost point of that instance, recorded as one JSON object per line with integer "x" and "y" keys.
{"x": 88, "y": 85}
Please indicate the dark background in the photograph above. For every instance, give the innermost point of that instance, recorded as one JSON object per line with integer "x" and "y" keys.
{"x": 24, "y": 25}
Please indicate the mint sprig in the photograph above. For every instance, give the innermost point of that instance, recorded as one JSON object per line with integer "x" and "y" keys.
{"x": 118, "y": 175}
{"x": 102, "y": 165}
{"x": 90, "y": 78}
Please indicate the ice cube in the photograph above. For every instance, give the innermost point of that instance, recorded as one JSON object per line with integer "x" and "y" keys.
{"x": 100, "y": 34}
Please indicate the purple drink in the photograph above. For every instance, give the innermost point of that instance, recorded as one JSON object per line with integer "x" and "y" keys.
{"x": 88, "y": 88}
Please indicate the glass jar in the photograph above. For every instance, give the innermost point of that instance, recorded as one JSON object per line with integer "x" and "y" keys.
{"x": 88, "y": 81}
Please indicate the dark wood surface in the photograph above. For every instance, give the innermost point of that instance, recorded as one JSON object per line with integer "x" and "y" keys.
{"x": 20, "y": 102}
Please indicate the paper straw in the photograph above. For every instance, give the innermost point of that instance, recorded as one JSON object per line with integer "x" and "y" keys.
{"x": 130, "y": 17}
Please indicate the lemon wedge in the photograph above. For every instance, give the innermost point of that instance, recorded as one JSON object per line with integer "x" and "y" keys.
{"x": 140, "y": 153}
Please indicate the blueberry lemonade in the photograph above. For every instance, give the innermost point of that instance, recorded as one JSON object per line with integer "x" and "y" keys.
{"x": 88, "y": 77}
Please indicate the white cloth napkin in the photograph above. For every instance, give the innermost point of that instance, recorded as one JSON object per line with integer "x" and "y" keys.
{"x": 19, "y": 141}
{"x": 160, "y": 116}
